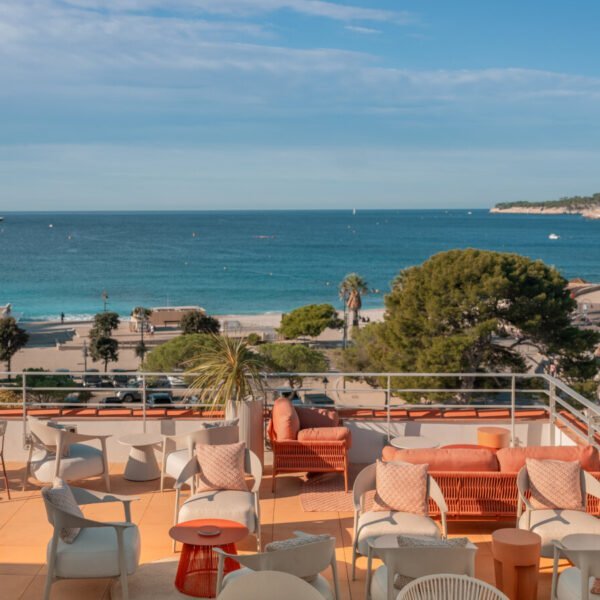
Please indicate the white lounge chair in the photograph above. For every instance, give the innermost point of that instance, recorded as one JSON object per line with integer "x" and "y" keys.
{"x": 413, "y": 562}
{"x": 301, "y": 561}
{"x": 102, "y": 549}
{"x": 240, "y": 506}
{"x": 177, "y": 450}
{"x": 57, "y": 452}
{"x": 554, "y": 524}
{"x": 450, "y": 586}
{"x": 372, "y": 524}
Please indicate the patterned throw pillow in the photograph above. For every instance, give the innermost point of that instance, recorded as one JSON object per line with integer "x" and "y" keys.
{"x": 401, "y": 487}
{"x": 221, "y": 467}
{"x": 295, "y": 542}
{"x": 555, "y": 484}
{"x": 410, "y": 541}
{"x": 61, "y": 496}
{"x": 595, "y": 586}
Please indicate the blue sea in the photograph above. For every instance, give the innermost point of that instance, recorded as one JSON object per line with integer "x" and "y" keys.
{"x": 253, "y": 262}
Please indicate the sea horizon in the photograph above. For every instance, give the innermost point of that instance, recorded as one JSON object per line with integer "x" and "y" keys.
{"x": 253, "y": 262}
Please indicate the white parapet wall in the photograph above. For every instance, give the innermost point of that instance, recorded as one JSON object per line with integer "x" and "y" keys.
{"x": 369, "y": 437}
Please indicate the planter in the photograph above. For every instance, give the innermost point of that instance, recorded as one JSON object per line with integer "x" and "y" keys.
{"x": 250, "y": 414}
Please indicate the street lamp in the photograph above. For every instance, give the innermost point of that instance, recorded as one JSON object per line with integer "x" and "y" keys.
{"x": 105, "y": 299}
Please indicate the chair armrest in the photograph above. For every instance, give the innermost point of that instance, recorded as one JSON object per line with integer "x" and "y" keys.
{"x": 84, "y": 497}
{"x": 523, "y": 487}
{"x": 365, "y": 482}
{"x": 435, "y": 493}
{"x": 74, "y": 438}
{"x": 66, "y": 519}
{"x": 191, "y": 468}
{"x": 591, "y": 484}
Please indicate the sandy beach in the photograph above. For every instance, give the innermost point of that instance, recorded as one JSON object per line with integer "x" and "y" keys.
{"x": 54, "y": 345}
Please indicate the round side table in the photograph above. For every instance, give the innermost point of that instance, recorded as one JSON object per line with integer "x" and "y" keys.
{"x": 493, "y": 437}
{"x": 516, "y": 555}
{"x": 197, "y": 570}
{"x": 141, "y": 464}
{"x": 411, "y": 442}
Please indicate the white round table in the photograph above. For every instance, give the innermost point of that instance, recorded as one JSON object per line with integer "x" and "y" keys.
{"x": 409, "y": 442}
{"x": 141, "y": 464}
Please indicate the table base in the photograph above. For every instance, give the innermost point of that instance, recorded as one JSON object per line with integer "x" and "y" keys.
{"x": 197, "y": 570}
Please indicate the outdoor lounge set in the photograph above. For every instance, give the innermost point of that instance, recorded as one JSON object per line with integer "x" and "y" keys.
{"x": 402, "y": 504}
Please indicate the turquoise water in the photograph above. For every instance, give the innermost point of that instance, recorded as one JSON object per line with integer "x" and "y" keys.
{"x": 253, "y": 262}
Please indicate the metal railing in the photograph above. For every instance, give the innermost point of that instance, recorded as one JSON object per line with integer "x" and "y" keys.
{"x": 514, "y": 391}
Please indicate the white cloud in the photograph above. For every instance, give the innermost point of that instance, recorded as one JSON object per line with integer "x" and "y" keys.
{"x": 360, "y": 29}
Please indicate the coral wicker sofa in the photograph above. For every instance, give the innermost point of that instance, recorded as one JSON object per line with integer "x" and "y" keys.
{"x": 308, "y": 440}
{"x": 482, "y": 483}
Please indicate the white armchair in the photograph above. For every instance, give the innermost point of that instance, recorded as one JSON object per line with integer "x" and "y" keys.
{"x": 372, "y": 524}
{"x": 413, "y": 562}
{"x": 575, "y": 583}
{"x": 240, "y": 506}
{"x": 177, "y": 450}
{"x": 102, "y": 549}
{"x": 57, "y": 452}
{"x": 450, "y": 586}
{"x": 554, "y": 524}
{"x": 302, "y": 561}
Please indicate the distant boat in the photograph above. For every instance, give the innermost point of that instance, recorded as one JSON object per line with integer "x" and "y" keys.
{"x": 554, "y": 236}
{"x": 1, "y": 219}
{"x": 353, "y": 211}
{"x": 469, "y": 213}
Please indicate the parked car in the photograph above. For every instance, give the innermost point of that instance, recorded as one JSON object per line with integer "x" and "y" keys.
{"x": 92, "y": 380}
{"x": 135, "y": 395}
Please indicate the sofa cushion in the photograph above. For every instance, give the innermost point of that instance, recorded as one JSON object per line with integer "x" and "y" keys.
{"x": 317, "y": 417}
{"x": 374, "y": 524}
{"x": 95, "y": 553}
{"x": 555, "y": 484}
{"x": 83, "y": 461}
{"x": 221, "y": 467}
{"x": 400, "y": 487}
{"x": 325, "y": 434}
{"x": 445, "y": 459}
{"x": 556, "y": 524}
{"x": 511, "y": 460}
{"x": 225, "y": 504}
{"x": 284, "y": 424}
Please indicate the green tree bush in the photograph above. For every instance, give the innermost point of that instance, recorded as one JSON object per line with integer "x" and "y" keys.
{"x": 293, "y": 358}
{"x": 102, "y": 346}
{"x": 12, "y": 339}
{"x": 468, "y": 311}
{"x": 310, "y": 320}
{"x": 174, "y": 354}
{"x": 198, "y": 322}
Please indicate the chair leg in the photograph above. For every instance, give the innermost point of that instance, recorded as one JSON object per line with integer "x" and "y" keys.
{"x": 346, "y": 479}
{"x": 354, "y": 561}
{"x": 48, "y": 586}
{"x": 273, "y": 480}
{"x": 5, "y": 476}
{"x": 124, "y": 586}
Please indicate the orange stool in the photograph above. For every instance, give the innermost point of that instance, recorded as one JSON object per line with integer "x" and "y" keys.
{"x": 516, "y": 555}
{"x": 493, "y": 437}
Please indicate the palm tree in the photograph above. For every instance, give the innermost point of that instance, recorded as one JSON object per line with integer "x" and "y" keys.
{"x": 142, "y": 314}
{"x": 226, "y": 373}
{"x": 351, "y": 290}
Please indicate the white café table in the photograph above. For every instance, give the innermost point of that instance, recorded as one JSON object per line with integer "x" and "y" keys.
{"x": 141, "y": 464}
{"x": 411, "y": 442}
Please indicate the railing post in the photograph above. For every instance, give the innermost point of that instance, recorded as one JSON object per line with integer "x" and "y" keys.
{"x": 144, "y": 402}
{"x": 513, "y": 402}
{"x": 24, "y": 409}
{"x": 589, "y": 417}
{"x": 552, "y": 406}
{"x": 388, "y": 398}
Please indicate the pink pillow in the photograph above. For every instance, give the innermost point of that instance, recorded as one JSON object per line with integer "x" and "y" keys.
{"x": 221, "y": 466}
{"x": 513, "y": 459}
{"x": 401, "y": 487}
{"x": 445, "y": 459}
{"x": 285, "y": 423}
{"x": 325, "y": 434}
{"x": 317, "y": 417}
{"x": 555, "y": 484}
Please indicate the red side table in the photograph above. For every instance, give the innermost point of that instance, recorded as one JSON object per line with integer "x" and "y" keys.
{"x": 197, "y": 570}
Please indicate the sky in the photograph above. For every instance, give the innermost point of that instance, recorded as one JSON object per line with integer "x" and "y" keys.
{"x": 275, "y": 104}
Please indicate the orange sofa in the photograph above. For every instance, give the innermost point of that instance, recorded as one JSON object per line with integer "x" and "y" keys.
{"x": 307, "y": 439}
{"x": 482, "y": 483}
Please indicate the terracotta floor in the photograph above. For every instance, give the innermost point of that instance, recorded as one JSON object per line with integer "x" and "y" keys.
{"x": 24, "y": 533}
